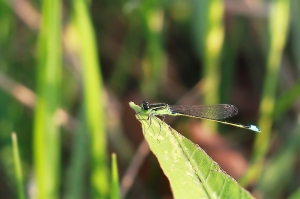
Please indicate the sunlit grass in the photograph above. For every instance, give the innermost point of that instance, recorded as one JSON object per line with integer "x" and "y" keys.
{"x": 277, "y": 30}
{"x": 18, "y": 167}
{"x": 46, "y": 131}
{"x": 93, "y": 93}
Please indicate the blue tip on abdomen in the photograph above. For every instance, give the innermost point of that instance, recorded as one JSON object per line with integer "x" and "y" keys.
{"x": 254, "y": 128}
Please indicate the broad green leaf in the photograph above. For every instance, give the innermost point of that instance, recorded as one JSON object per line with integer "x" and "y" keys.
{"x": 191, "y": 172}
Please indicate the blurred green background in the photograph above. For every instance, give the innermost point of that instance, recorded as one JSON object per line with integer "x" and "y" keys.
{"x": 69, "y": 68}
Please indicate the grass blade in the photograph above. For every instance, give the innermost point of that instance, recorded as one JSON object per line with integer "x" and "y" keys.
{"x": 93, "y": 100}
{"x": 114, "y": 185}
{"x": 46, "y": 131}
{"x": 154, "y": 64}
{"x": 278, "y": 26}
{"x": 277, "y": 175}
{"x": 18, "y": 168}
{"x": 76, "y": 176}
{"x": 209, "y": 35}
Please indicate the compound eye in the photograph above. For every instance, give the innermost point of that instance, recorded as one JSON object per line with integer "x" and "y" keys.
{"x": 145, "y": 105}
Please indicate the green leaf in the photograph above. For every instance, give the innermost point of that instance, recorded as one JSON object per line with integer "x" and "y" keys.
{"x": 191, "y": 172}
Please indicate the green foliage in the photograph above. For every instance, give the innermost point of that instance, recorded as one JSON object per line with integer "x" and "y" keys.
{"x": 93, "y": 100}
{"x": 76, "y": 175}
{"x": 295, "y": 195}
{"x": 18, "y": 168}
{"x": 191, "y": 172}
{"x": 178, "y": 52}
{"x": 114, "y": 185}
{"x": 209, "y": 34}
{"x": 46, "y": 131}
{"x": 273, "y": 181}
{"x": 154, "y": 65}
{"x": 277, "y": 30}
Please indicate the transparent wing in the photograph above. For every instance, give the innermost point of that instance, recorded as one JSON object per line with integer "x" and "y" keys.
{"x": 215, "y": 112}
